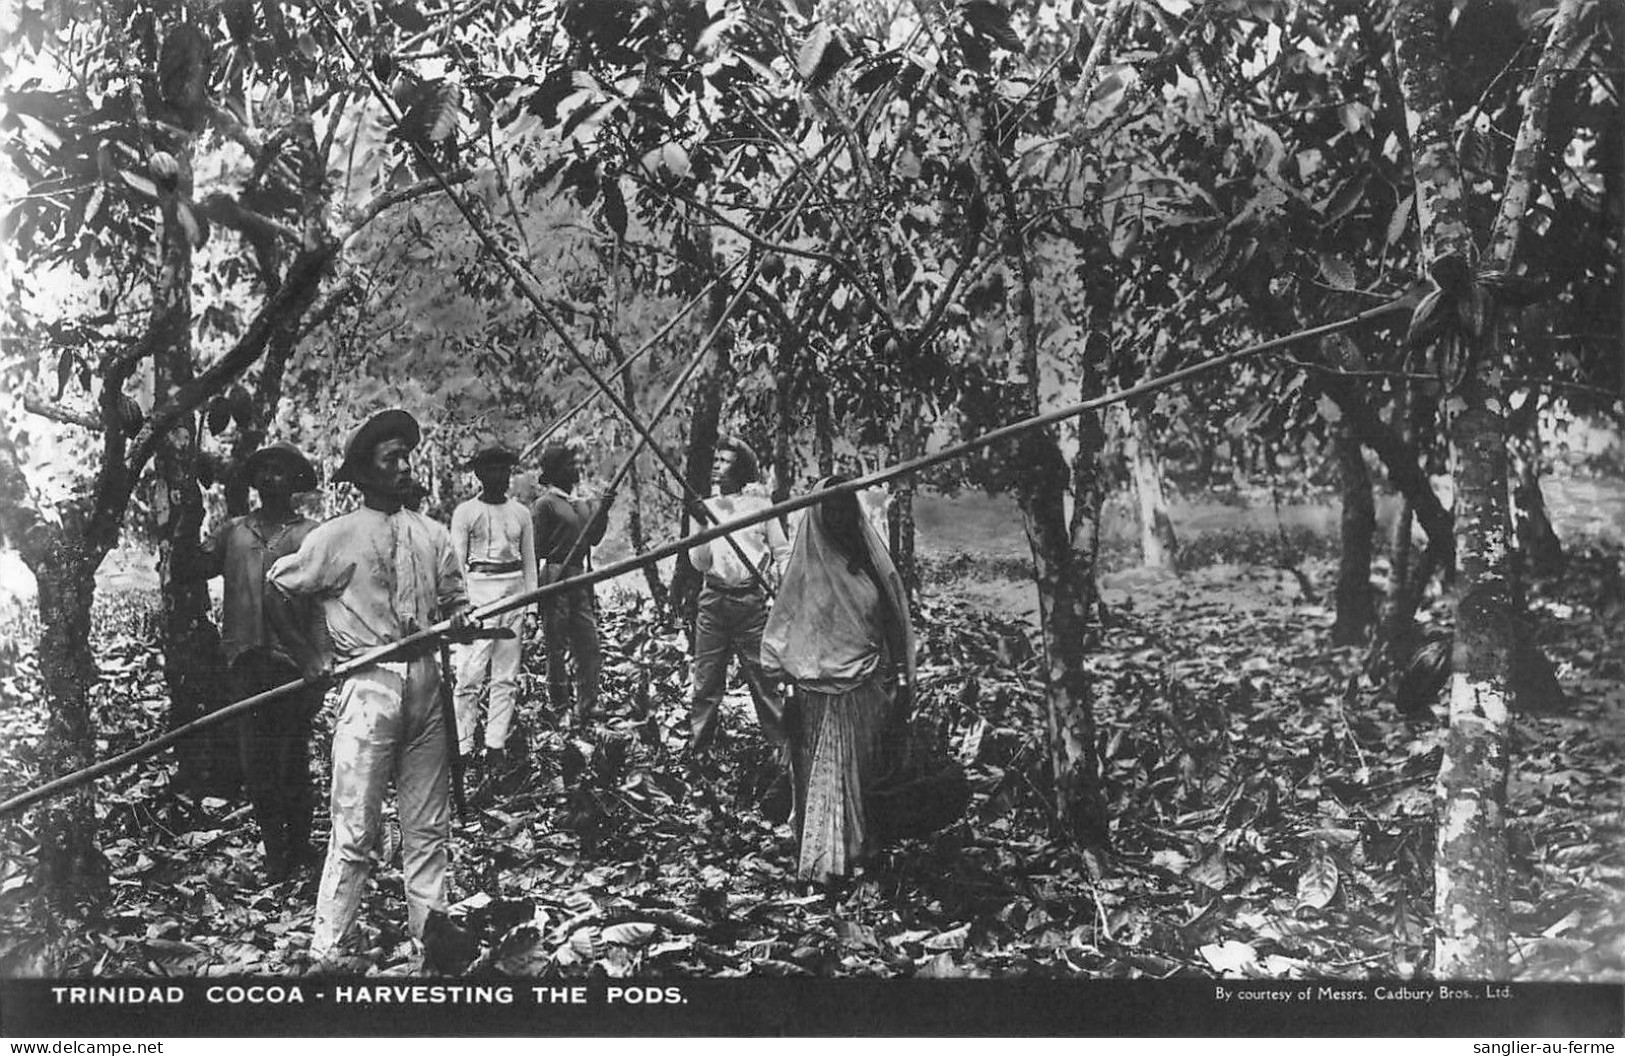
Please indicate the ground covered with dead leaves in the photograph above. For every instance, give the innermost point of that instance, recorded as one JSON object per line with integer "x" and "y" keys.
{"x": 1272, "y": 817}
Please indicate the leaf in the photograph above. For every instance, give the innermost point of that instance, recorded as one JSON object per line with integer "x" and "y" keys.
{"x": 1426, "y": 320}
{"x": 632, "y": 933}
{"x": 1337, "y": 271}
{"x": 1344, "y": 200}
{"x": 941, "y": 966}
{"x": 407, "y": 16}
{"x": 1318, "y": 884}
{"x": 1328, "y": 409}
{"x": 953, "y": 939}
{"x": 64, "y": 371}
{"x": 139, "y": 183}
{"x": 1401, "y": 218}
{"x": 992, "y": 21}
{"x": 821, "y": 55}
{"x": 878, "y": 74}
{"x": 434, "y": 113}
{"x": 587, "y": 942}
{"x": 855, "y": 935}
{"x": 1231, "y": 957}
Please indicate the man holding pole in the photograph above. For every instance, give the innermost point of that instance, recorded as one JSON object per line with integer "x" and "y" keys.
{"x": 381, "y": 573}
{"x": 566, "y": 530}
{"x": 733, "y": 600}
{"x": 274, "y": 739}
{"x": 495, "y": 544}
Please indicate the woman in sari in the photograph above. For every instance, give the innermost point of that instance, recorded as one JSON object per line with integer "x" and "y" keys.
{"x": 840, "y": 633}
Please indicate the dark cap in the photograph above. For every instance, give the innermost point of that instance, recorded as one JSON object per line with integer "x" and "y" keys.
{"x": 305, "y": 477}
{"x": 393, "y": 424}
{"x": 495, "y": 455}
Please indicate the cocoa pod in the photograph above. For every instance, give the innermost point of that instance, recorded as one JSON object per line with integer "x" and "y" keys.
{"x": 166, "y": 171}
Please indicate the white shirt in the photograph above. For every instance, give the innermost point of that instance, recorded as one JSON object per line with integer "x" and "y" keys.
{"x": 764, "y": 544}
{"x": 495, "y": 534}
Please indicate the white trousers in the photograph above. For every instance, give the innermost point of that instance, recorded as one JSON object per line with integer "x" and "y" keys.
{"x": 389, "y": 727}
{"x": 489, "y": 659}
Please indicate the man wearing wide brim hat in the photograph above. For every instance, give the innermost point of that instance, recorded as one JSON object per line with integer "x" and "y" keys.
{"x": 496, "y": 546}
{"x": 264, "y": 650}
{"x": 381, "y": 573}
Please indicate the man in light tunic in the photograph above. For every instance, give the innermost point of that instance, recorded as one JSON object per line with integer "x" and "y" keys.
{"x": 733, "y": 602}
{"x": 495, "y": 544}
{"x": 380, "y": 573}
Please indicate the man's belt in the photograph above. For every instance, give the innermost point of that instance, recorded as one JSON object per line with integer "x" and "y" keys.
{"x": 496, "y": 567}
{"x": 739, "y": 589}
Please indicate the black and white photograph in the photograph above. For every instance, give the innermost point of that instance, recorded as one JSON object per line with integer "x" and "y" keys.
{"x": 1095, "y": 518}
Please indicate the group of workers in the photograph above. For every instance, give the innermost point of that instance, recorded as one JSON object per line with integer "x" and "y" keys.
{"x": 824, "y": 614}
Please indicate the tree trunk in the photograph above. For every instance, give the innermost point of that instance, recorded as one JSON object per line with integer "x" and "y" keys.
{"x": 207, "y": 762}
{"x": 73, "y": 870}
{"x": 784, "y": 423}
{"x": 634, "y": 513}
{"x": 704, "y": 426}
{"x": 906, "y": 444}
{"x": 1066, "y": 595}
{"x": 1470, "y": 857}
{"x": 1355, "y": 611}
{"x": 823, "y": 432}
{"x": 1158, "y": 546}
{"x": 1061, "y": 573}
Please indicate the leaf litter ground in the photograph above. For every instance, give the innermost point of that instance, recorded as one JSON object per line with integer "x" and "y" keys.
{"x": 1271, "y": 816}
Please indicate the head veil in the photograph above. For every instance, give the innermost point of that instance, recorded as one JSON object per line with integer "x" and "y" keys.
{"x": 821, "y": 631}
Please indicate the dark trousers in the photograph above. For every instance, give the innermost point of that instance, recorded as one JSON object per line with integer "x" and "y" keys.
{"x": 273, "y": 742}
{"x": 570, "y": 631}
{"x": 729, "y": 624}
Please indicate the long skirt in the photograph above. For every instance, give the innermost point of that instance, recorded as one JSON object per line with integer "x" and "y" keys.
{"x": 837, "y": 749}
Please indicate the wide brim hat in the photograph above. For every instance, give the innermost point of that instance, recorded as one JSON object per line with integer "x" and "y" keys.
{"x": 495, "y": 455}
{"x": 305, "y": 477}
{"x": 393, "y": 424}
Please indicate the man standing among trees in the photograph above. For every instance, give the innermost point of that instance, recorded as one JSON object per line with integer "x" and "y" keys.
{"x": 264, "y": 650}
{"x": 733, "y": 600}
{"x": 496, "y": 549}
{"x": 383, "y": 572}
{"x": 566, "y": 530}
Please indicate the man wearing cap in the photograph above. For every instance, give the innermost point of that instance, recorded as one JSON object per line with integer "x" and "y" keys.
{"x": 263, "y": 651}
{"x": 380, "y": 573}
{"x": 733, "y": 602}
{"x": 495, "y": 545}
{"x": 566, "y": 530}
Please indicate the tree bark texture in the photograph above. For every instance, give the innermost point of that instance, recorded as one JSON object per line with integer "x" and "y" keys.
{"x": 907, "y": 443}
{"x": 1470, "y": 859}
{"x": 1355, "y": 607}
{"x": 1158, "y": 545}
{"x": 191, "y": 644}
{"x": 1059, "y": 571}
{"x": 704, "y": 428}
{"x": 634, "y": 514}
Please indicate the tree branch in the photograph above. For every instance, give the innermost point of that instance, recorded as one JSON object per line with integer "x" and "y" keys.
{"x": 58, "y": 413}
{"x": 1531, "y": 143}
{"x": 422, "y": 189}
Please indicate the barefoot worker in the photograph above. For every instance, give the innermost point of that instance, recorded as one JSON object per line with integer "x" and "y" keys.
{"x": 733, "y": 600}
{"x": 262, "y": 651}
{"x": 566, "y": 530}
{"x": 382, "y": 572}
{"x": 496, "y": 548}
